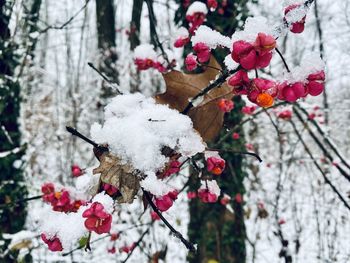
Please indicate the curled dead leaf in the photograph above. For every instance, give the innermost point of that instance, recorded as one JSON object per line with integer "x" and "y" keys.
{"x": 120, "y": 175}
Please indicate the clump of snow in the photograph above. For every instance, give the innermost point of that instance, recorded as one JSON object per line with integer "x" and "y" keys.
{"x": 210, "y": 37}
{"x": 208, "y": 154}
{"x": 88, "y": 182}
{"x": 197, "y": 7}
{"x": 230, "y": 63}
{"x": 69, "y": 228}
{"x": 311, "y": 63}
{"x": 252, "y": 27}
{"x": 145, "y": 51}
{"x": 105, "y": 200}
{"x": 296, "y": 15}
{"x": 292, "y": 2}
{"x": 181, "y": 32}
{"x": 170, "y": 54}
{"x": 155, "y": 186}
{"x": 212, "y": 186}
{"x": 136, "y": 129}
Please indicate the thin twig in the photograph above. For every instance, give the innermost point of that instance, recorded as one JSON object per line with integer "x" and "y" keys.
{"x": 17, "y": 202}
{"x": 68, "y": 21}
{"x": 156, "y": 38}
{"x": 327, "y": 181}
{"x": 218, "y": 82}
{"x": 236, "y": 152}
{"x": 177, "y": 234}
{"x": 283, "y": 59}
{"x": 105, "y": 78}
{"x": 83, "y": 137}
{"x": 138, "y": 242}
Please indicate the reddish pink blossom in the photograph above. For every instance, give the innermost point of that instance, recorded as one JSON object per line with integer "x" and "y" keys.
{"x": 114, "y": 236}
{"x": 264, "y": 43}
{"x": 225, "y": 199}
{"x": 48, "y": 190}
{"x": 262, "y": 92}
{"x": 311, "y": 116}
{"x": 110, "y": 189}
{"x": 159, "y": 66}
{"x": 249, "y": 146}
{"x": 191, "y": 62}
{"x": 191, "y": 195}
{"x": 195, "y": 20}
{"x": 221, "y": 11}
{"x": 61, "y": 201}
{"x": 53, "y": 243}
{"x": 98, "y": 220}
{"x": 281, "y": 221}
{"x": 239, "y": 82}
{"x": 238, "y": 198}
{"x": 225, "y": 105}
{"x": 154, "y": 216}
{"x": 315, "y": 86}
{"x": 202, "y": 51}
{"x": 164, "y": 202}
{"x": 285, "y": 114}
{"x": 173, "y": 168}
{"x": 76, "y": 171}
{"x": 215, "y": 165}
{"x": 128, "y": 249}
{"x": 249, "y": 110}
{"x": 212, "y": 4}
{"x": 245, "y": 54}
{"x": 111, "y": 250}
{"x": 74, "y": 207}
{"x": 181, "y": 41}
{"x": 297, "y": 27}
{"x": 206, "y": 196}
{"x": 235, "y": 136}
{"x": 143, "y": 64}
{"x": 292, "y": 92}
{"x": 173, "y": 194}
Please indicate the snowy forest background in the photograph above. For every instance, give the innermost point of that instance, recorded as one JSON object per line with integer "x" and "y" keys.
{"x": 284, "y": 198}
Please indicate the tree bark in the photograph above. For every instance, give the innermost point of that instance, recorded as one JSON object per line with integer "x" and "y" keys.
{"x": 106, "y": 43}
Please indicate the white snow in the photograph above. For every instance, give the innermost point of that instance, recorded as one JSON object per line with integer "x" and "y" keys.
{"x": 155, "y": 186}
{"x": 296, "y": 14}
{"x": 197, "y": 7}
{"x": 88, "y": 182}
{"x": 136, "y": 129}
{"x": 69, "y": 228}
{"x": 311, "y": 63}
{"x": 252, "y": 27}
{"x": 105, "y": 200}
{"x": 230, "y": 63}
{"x": 212, "y": 186}
{"x": 181, "y": 32}
{"x": 145, "y": 51}
{"x": 210, "y": 37}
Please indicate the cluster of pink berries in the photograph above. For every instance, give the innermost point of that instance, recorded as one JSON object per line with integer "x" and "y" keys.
{"x": 166, "y": 201}
{"x": 60, "y": 200}
{"x": 147, "y": 63}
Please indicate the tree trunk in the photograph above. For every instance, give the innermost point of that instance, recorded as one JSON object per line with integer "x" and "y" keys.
{"x": 134, "y": 38}
{"x": 220, "y": 234}
{"x": 106, "y": 43}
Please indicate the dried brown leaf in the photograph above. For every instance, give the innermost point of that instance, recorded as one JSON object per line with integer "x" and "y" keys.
{"x": 180, "y": 88}
{"x": 122, "y": 176}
